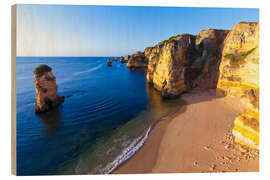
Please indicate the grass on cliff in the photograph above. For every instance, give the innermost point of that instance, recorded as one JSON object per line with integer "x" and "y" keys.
{"x": 237, "y": 59}
{"x": 171, "y": 39}
{"x": 228, "y": 56}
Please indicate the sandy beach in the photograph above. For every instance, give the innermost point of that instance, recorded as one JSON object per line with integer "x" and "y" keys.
{"x": 197, "y": 139}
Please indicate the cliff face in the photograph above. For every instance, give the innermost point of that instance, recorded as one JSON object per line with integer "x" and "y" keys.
{"x": 137, "y": 61}
{"x": 169, "y": 62}
{"x": 239, "y": 78}
{"x": 185, "y": 61}
{"x": 214, "y": 59}
{"x": 46, "y": 89}
{"x": 211, "y": 43}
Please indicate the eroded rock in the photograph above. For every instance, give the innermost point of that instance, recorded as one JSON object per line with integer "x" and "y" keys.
{"x": 137, "y": 61}
{"x": 46, "y": 89}
{"x": 185, "y": 61}
{"x": 239, "y": 78}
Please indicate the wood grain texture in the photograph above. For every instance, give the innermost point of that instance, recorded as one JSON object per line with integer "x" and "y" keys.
{"x": 13, "y": 89}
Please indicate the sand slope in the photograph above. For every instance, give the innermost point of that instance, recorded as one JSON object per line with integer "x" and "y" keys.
{"x": 198, "y": 139}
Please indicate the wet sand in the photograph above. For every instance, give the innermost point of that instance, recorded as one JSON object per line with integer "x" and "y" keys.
{"x": 197, "y": 139}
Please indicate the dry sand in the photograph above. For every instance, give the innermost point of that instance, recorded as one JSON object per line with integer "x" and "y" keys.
{"x": 197, "y": 139}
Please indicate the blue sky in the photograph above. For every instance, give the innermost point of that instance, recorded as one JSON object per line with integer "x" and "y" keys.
{"x": 74, "y": 30}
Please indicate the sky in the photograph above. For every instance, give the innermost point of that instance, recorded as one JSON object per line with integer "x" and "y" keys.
{"x": 80, "y": 30}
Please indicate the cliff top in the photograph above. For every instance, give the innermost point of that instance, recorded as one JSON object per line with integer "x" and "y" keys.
{"x": 41, "y": 69}
{"x": 244, "y": 22}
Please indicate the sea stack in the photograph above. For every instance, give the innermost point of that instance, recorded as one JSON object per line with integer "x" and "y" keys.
{"x": 109, "y": 62}
{"x": 122, "y": 59}
{"x": 127, "y": 57}
{"x": 46, "y": 89}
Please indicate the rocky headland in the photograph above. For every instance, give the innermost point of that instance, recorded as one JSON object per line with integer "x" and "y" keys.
{"x": 137, "y": 61}
{"x": 224, "y": 60}
{"x": 46, "y": 89}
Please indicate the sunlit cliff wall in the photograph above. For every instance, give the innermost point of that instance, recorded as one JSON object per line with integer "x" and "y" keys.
{"x": 239, "y": 77}
{"x": 226, "y": 60}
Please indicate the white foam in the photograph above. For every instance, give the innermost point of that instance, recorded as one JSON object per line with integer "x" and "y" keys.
{"x": 90, "y": 70}
{"x": 127, "y": 153}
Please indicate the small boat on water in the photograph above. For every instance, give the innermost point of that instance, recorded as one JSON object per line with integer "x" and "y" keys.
{"x": 109, "y": 62}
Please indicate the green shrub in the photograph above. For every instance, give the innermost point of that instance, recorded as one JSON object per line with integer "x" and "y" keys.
{"x": 228, "y": 56}
{"x": 237, "y": 59}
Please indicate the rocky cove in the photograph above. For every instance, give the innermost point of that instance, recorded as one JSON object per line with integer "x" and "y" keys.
{"x": 224, "y": 60}
{"x": 191, "y": 67}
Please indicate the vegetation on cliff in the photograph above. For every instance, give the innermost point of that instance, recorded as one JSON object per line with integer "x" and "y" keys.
{"x": 238, "y": 58}
{"x": 239, "y": 78}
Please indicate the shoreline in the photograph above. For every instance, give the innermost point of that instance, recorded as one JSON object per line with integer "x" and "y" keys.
{"x": 193, "y": 140}
{"x": 141, "y": 143}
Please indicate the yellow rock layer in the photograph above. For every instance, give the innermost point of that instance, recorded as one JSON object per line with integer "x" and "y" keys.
{"x": 239, "y": 78}
{"x": 246, "y": 130}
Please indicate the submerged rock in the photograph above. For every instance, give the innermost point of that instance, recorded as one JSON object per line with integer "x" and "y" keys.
{"x": 46, "y": 89}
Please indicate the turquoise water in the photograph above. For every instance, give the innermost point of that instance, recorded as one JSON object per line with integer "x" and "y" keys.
{"x": 105, "y": 120}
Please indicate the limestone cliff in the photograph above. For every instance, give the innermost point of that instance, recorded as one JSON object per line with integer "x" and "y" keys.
{"x": 211, "y": 43}
{"x": 185, "y": 61}
{"x": 169, "y": 62}
{"x": 214, "y": 59}
{"x": 239, "y": 78}
{"x": 46, "y": 89}
{"x": 137, "y": 61}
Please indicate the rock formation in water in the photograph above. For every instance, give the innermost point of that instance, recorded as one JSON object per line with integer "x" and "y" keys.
{"x": 122, "y": 59}
{"x": 137, "y": 61}
{"x": 214, "y": 59}
{"x": 46, "y": 89}
{"x": 239, "y": 78}
{"x": 109, "y": 62}
{"x": 126, "y": 58}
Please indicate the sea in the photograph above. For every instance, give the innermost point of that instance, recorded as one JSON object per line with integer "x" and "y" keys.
{"x": 105, "y": 119}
